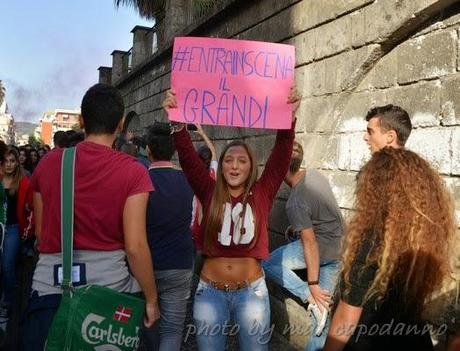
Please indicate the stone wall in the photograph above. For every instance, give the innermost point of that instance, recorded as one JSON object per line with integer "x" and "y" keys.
{"x": 350, "y": 55}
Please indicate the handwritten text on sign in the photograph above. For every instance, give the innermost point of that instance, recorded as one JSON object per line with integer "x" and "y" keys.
{"x": 232, "y": 82}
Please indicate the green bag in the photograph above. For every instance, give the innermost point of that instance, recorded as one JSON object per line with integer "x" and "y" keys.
{"x": 91, "y": 317}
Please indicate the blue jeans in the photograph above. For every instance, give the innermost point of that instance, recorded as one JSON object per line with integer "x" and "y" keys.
{"x": 247, "y": 308}
{"x": 279, "y": 268}
{"x": 173, "y": 288}
{"x": 11, "y": 245}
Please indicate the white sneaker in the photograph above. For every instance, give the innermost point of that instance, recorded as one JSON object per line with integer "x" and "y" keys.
{"x": 320, "y": 316}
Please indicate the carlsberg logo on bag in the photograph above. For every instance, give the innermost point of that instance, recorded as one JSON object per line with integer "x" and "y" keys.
{"x": 93, "y": 332}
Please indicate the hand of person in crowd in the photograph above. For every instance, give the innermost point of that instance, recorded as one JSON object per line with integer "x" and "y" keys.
{"x": 323, "y": 298}
{"x": 152, "y": 313}
{"x": 294, "y": 99}
{"x": 199, "y": 130}
{"x": 288, "y": 233}
{"x": 169, "y": 103}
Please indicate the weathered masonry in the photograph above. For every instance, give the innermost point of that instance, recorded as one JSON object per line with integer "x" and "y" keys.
{"x": 350, "y": 55}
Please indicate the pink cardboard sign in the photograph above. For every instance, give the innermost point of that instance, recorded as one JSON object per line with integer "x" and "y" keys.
{"x": 236, "y": 83}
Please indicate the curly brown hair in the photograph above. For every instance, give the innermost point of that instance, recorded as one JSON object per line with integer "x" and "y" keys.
{"x": 403, "y": 205}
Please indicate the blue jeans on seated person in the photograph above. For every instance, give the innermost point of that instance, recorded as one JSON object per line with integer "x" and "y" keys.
{"x": 280, "y": 268}
{"x": 215, "y": 311}
{"x": 173, "y": 287}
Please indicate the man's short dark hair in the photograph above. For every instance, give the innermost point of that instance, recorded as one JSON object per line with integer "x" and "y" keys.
{"x": 139, "y": 141}
{"x": 102, "y": 109}
{"x": 160, "y": 142}
{"x": 129, "y": 149}
{"x": 392, "y": 117}
{"x": 3, "y": 150}
{"x": 60, "y": 139}
{"x": 205, "y": 154}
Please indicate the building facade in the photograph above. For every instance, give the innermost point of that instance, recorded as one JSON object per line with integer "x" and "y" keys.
{"x": 54, "y": 121}
{"x": 7, "y": 127}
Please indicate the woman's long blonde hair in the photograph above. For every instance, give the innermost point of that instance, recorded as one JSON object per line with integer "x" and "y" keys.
{"x": 221, "y": 195}
{"x": 402, "y": 203}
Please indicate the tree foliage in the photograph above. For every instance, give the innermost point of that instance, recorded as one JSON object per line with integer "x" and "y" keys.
{"x": 34, "y": 141}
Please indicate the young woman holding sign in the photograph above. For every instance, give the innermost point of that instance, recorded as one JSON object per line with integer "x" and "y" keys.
{"x": 234, "y": 236}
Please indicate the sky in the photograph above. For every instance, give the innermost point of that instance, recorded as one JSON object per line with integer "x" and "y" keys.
{"x": 50, "y": 50}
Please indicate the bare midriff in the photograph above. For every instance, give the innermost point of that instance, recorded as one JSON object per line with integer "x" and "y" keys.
{"x": 231, "y": 269}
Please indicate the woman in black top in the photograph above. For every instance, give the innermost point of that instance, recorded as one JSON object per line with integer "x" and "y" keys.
{"x": 396, "y": 255}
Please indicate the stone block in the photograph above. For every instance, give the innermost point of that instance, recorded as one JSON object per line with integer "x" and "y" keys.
{"x": 253, "y": 13}
{"x": 452, "y": 21}
{"x": 374, "y": 23}
{"x": 311, "y": 13}
{"x": 356, "y": 108}
{"x": 330, "y": 159}
{"x": 316, "y": 114}
{"x": 305, "y": 44}
{"x": 330, "y": 9}
{"x": 304, "y": 16}
{"x": 421, "y": 101}
{"x": 347, "y": 214}
{"x": 453, "y": 185}
{"x": 273, "y": 29}
{"x": 359, "y": 151}
{"x": 345, "y": 152}
{"x": 450, "y": 100}
{"x": 262, "y": 147}
{"x": 343, "y": 186}
{"x": 310, "y": 79}
{"x": 290, "y": 319}
{"x": 275, "y": 240}
{"x": 315, "y": 147}
{"x": 456, "y": 152}
{"x": 333, "y": 37}
{"x": 429, "y": 56}
{"x": 434, "y": 144}
{"x": 351, "y": 65}
{"x": 383, "y": 74}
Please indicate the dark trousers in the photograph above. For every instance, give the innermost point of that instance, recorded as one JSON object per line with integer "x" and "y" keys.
{"x": 37, "y": 321}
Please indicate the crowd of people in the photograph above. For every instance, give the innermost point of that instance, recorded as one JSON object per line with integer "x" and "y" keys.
{"x": 143, "y": 224}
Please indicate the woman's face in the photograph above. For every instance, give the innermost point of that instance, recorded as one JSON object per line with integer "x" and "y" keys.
{"x": 11, "y": 164}
{"x": 41, "y": 153}
{"x": 34, "y": 156}
{"x": 236, "y": 166}
{"x": 22, "y": 157}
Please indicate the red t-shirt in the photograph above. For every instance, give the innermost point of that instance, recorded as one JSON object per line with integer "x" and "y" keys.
{"x": 231, "y": 241}
{"x": 104, "y": 179}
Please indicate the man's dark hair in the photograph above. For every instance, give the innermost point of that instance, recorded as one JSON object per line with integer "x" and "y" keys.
{"x": 139, "y": 141}
{"x": 160, "y": 142}
{"x": 296, "y": 158}
{"x": 102, "y": 109}
{"x": 60, "y": 139}
{"x": 392, "y": 117}
{"x": 3, "y": 150}
{"x": 76, "y": 138}
{"x": 205, "y": 154}
{"x": 129, "y": 149}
